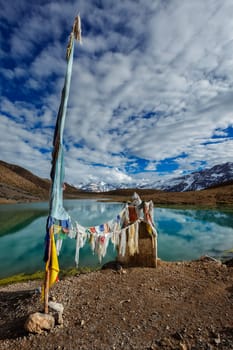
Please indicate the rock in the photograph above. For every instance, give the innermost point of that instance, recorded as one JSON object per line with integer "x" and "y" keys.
{"x": 183, "y": 346}
{"x": 58, "y": 308}
{"x": 217, "y": 340}
{"x": 177, "y": 335}
{"x": 38, "y": 322}
{"x": 114, "y": 265}
{"x": 210, "y": 258}
{"x": 229, "y": 262}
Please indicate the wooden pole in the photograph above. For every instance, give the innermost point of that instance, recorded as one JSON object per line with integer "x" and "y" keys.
{"x": 156, "y": 251}
{"x": 58, "y": 135}
{"x": 47, "y": 275}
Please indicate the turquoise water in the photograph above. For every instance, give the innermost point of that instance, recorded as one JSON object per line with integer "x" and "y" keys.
{"x": 182, "y": 234}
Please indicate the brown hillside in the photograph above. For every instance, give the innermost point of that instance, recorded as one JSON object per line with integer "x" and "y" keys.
{"x": 20, "y": 185}
{"x": 24, "y": 174}
{"x": 15, "y": 185}
{"x": 218, "y": 196}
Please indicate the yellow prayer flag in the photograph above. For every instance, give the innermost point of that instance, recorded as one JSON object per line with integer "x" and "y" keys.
{"x": 52, "y": 264}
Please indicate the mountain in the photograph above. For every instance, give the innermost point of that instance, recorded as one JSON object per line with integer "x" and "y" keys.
{"x": 19, "y": 184}
{"x": 96, "y": 187}
{"x": 199, "y": 180}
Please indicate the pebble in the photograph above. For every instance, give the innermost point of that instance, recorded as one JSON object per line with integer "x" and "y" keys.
{"x": 217, "y": 340}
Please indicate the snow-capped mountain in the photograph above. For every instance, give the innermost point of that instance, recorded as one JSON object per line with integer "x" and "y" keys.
{"x": 195, "y": 181}
{"x": 97, "y": 187}
{"x": 200, "y": 180}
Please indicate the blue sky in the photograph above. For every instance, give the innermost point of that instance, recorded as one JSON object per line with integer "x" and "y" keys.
{"x": 151, "y": 93}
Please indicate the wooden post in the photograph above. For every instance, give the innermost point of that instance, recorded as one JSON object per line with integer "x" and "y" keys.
{"x": 47, "y": 275}
{"x": 147, "y": 255}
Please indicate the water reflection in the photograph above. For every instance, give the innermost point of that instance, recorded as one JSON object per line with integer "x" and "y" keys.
{"x": 22, "y": 232}
{"x": 15, "y": 217}
{"x": 183, "y": 234}
{"x": 188, "y": 234}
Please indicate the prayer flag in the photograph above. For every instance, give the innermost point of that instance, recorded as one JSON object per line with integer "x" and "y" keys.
{"x": 56, "y": 209}
{"x": 52, "y": 264}
{"x": 57, "y": 171}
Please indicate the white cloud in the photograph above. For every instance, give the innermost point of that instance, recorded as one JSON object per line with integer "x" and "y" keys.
{"x": 152, "y": 80}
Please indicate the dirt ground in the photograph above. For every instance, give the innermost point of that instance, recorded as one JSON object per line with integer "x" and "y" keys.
{"x": 178, "y": 305}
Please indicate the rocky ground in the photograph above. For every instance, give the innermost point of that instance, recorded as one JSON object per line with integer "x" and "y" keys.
{"x": 179, "y": 305}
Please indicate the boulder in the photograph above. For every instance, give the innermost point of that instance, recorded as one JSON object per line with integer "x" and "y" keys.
{"x": 38, "y": 322}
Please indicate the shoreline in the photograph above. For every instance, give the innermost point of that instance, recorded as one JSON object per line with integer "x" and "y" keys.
{"x": 169, "y": 204}
{"x": 70, "y": 272}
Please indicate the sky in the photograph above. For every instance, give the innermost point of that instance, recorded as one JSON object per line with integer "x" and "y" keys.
{"x": 151, "y": 95}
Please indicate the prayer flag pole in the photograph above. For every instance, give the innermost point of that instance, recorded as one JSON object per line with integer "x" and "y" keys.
{"x": 56, "y": 209}
{"x": 47, "y": 278}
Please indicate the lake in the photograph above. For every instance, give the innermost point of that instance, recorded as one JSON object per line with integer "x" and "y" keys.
{"x": 182, "y": 234}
